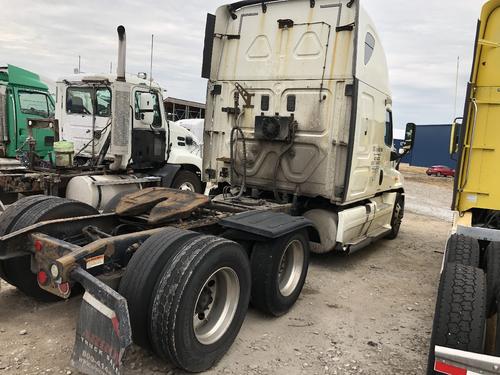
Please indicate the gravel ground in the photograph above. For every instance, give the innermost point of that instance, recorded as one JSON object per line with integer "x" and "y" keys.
{"x": 368, "y": 313}
{"x": 430, "y": 196}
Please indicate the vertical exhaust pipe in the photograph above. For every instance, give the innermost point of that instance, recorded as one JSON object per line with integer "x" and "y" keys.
{"x": 122, "y": 54}
{"x": 121, "y": 125}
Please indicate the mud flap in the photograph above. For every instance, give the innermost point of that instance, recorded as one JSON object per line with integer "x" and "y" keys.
{"x": 103, "y": 331}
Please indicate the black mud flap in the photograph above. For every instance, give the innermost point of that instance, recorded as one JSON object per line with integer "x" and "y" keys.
{"x": 103, "y": 331}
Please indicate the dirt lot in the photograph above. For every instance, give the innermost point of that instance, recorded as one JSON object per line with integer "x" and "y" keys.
{"x": 369, "y": 313}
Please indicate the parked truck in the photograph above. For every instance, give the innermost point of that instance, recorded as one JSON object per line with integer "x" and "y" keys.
{"x": 298, "y": 139}
{"x": 465, "y": 336}
{"x": 22, "y": 95}
{"x": 64, "y": 149}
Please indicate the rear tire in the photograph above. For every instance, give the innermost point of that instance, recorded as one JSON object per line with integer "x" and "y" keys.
{"x": 187, "y": 180}
{"x": 10, "y": 216}
{"x": 279, "y": 270}
{"x": 209, "y": 276}
{"x": 492, "y": 276}
{"x": 18, "y": 270}
{"x": 462, "y": 250}
{"x": 143, "y": 272}
{"x": 460, "y": 316}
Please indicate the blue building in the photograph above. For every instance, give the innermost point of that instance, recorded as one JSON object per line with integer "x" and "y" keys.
{"x": 432, "y": 143}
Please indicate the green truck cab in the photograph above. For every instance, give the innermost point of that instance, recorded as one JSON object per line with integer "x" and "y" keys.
{"x": 23, "y": 96}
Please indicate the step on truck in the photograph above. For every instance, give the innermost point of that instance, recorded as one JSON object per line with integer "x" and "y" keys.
{"x": 73, "y": 149}
{"x": 298, "y": 145}
{"x": 465, "y": 336}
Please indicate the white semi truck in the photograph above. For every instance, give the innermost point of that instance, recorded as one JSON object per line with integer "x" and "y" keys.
{"x": 298, "y": 145}
{"x": 299, "y": 110}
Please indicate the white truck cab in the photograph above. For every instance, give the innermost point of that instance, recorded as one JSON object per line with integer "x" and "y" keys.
{"x": 299, "y": 107}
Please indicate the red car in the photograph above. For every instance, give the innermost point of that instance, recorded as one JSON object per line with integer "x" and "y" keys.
{"x": 440, "y": 170}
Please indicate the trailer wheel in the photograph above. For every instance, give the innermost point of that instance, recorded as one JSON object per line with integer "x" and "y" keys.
{"x": 460, "y": 316}
{"x": 462, "y": 250}
{"x": 492, "y": 276}
{"x": 397, "y": 217}
{"x": 200, "y": 302}
{"x": 187, "y": 180}
{"x": 10, "y": 216}
{"x": 18, "y": 270}
{"x": 142, "y": 273}
{"x": 279, "y": 270}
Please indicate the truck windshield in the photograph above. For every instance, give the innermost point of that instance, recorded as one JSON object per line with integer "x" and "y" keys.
{"x": 80, "y": 99}
{"x": 35, "y": 104}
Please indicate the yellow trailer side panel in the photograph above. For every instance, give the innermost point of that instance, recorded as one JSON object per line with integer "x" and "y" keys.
{"x": 479, "y": 178}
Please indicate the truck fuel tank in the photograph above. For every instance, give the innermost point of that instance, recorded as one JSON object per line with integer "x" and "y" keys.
{"x": 97, "y": 191}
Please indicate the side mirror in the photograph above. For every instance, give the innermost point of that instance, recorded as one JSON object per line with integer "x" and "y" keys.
{"x": 455, "y": 135}
{"x": 410, "y": 133}
{"x": 146, "y": 108}
{"x": 208, "y": 48}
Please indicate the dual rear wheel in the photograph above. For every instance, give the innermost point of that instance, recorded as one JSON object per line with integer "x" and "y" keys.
{"x": 188, "y": 293}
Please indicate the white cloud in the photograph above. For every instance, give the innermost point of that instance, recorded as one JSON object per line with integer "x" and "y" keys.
{"x": 422, "y": 41}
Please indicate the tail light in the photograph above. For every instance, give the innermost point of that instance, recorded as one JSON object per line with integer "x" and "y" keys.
{"x": 38, "y": 246}
{"x": 42, "y": 278}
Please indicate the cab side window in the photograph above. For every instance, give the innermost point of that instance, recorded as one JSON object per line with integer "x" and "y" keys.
{"x": 369, "y": 47}
{"x": 35, "y": 104}
{"x": 157, "y": 113}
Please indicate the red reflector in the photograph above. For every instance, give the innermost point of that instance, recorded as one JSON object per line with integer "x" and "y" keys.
{"x": 38, "y": 245}
{"x": 42, "y": 278}
{"x": 64, "y": 288}
{"x": 449, "y": 369}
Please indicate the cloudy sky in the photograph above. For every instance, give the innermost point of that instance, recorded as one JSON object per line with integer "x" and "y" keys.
{"x": 422, "y": 42}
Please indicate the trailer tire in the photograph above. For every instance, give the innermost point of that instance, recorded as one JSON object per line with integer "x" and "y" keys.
{"x": 18, "y": 270}
{"x": 279, "y": 271}
{"x": 187, "y": 180}
{"x": 142, "y": 273}
{"x": 460, "y": 315}
{"x": 210, "y": 276}
{"x": 397, "y": 217}
{"x": 492, "y": 276}
{"x": 462, "y": 250}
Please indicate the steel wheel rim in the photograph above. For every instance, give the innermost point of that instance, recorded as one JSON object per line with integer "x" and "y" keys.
{"x": 216, "y": 306}
{"x": 187, "y": 186}
{"x": 290, "y": 269}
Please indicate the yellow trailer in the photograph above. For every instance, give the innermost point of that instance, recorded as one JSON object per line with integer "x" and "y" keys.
{"x": 465, "y": 339}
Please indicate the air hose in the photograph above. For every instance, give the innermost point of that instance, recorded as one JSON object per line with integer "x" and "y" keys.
{"x": 237, "y": 130}
{"x": 293, "y": 129}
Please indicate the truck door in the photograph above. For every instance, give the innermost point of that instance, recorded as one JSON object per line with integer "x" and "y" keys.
{"x": 78, "y": 116}
{"x": 32, "y": 105}
{"x": 148, "y": 134}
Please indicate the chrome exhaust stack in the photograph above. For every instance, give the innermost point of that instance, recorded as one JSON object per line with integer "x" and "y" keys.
{"x": 121, "y": 124}
{"x": 122, "y": 54}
